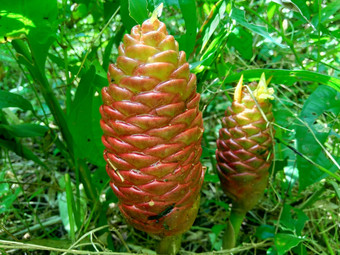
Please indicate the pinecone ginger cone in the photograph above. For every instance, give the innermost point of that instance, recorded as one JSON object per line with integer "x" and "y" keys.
{"x": 244, "y": 146}
{"x": 152, "y": 132}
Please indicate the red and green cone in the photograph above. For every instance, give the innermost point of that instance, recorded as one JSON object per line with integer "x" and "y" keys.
{"x": 152, "y": 132}
{"x": 244, "y": 151}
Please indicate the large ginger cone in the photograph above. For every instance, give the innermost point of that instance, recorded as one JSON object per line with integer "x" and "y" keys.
{"x": 152, "y": 132}
{"x": 244, "y": 148}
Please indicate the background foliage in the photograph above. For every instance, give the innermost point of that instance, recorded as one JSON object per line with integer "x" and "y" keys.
{"x": 54, "y": 190}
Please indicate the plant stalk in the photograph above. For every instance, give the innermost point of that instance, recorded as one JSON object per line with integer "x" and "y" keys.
{"x": 169, "y": 245}
{"x": 233, "y": 228}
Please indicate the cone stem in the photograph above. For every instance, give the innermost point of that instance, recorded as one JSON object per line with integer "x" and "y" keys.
{"x": 169, "y": 245}
{"x": 233, "y": 228}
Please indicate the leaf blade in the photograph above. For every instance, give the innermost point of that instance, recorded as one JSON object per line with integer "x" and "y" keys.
{"x": 138, "y": 10}
{"x": 8, "y": 99}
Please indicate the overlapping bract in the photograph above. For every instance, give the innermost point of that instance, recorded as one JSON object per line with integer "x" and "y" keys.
{"x": 152, "y": 132}
{"x": 244, "y": 149}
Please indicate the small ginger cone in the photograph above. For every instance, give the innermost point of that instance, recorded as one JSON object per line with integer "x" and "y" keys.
{"x": 152, "y": 133}
{"x": 244, "y": 152}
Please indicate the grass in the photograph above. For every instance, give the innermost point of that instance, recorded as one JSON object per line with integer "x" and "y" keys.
{"x": 68, "y": 206}
{"x": 33, "y": 221}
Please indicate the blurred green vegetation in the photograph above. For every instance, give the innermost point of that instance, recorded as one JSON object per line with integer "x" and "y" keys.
{"x": 54, "y": 192}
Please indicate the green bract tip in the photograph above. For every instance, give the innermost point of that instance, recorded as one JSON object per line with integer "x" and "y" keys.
{"x": 262, "y": 93}
{"x": 157, "y": 12}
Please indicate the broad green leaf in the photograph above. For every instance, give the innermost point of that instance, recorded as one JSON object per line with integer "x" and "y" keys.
{"x": 295, "y": 5}
{"x": 84, "y": 120}
{"x": 323, "y": 99}
{"x": 293, "y": 219}
{"x": 283, "y": 116}
{"x": 285, "y": 242}
{"x": 8, "y": 99}
{"x": 25, "y": 130}
{"x": 73, "y": 66}
{"x": 209, "y": 28}
{"x": 13, "y": 22}
{"x": 239, "y": 16}
{"x": 300, "y": 249}
{"x": 124, "y": 13}
{"x": 326, "y": 12}
{"x": 286, "y": 77}
{"x": 99, "y": 179}
{"x": 271, "y": 251}
{"x": 107, "y": 53}
{"x": 215, "y": 242}
{"x": 187, "y": 41}
{"x": 109, "y": 8}
{"x": 302, "y": 8}
{"x": 211, "y": 178}
{"x": 242, "y": 41}
{"x": 100, "y": 81}
{"x": 21, "y": 150}
{"x": 291, "y": 177}
{"x": 265, "y": 232}
{"x": 138, "y": 10}
{"x": 80, "y": 11}
{"x": 212, "y": 51}
{"x": 35, "y": 19}
{"x": 220, "y": 203}
{"x": 271, "y": 10}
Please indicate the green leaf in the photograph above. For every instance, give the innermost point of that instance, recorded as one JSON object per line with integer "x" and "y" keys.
{"x": 107, "y": 53}
{"x": 271, "y": 251}
{"x": 271, "y": 10}
{"x": 124, "y": 13}
{"x": 295, "y": 5}
{"x": 285, "y": 242}
{"x": 25, "y": 130}
{"x": 293, "y": 219}
{"x": 187, "y": 42}
{"x": 36, "y": 19}
{"x": 8, "y": 99}
{"x": 300, "y": 249}
{"x": 326, "y": 12}
{"x": 212, "y": 51}
{"x": 100, "y": 178}
{"x": 302, "y": 8}
{"x": 213, "y": 22}
{"x": 291, "y": 177}
{"x": 84, "y": 119}
{"x": 239, "y": 16}
{"x": 21, "y": 150}
{"x": 242, "y": 41}
{"x": 80, "y": 11}
{"x": 215, "y": 242}
{"x": 138, "y": 10}
{"x": 323, "y": 99}
{"x": 8, "y": 200}
{"x": 21, "y": 16}
{"x": 63, "y": 212}
{"x": 336, "y": 188}
{"x": 265, "y": 232}
{"x": 287, "y": 77}
{"x": 211, "y": 178}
